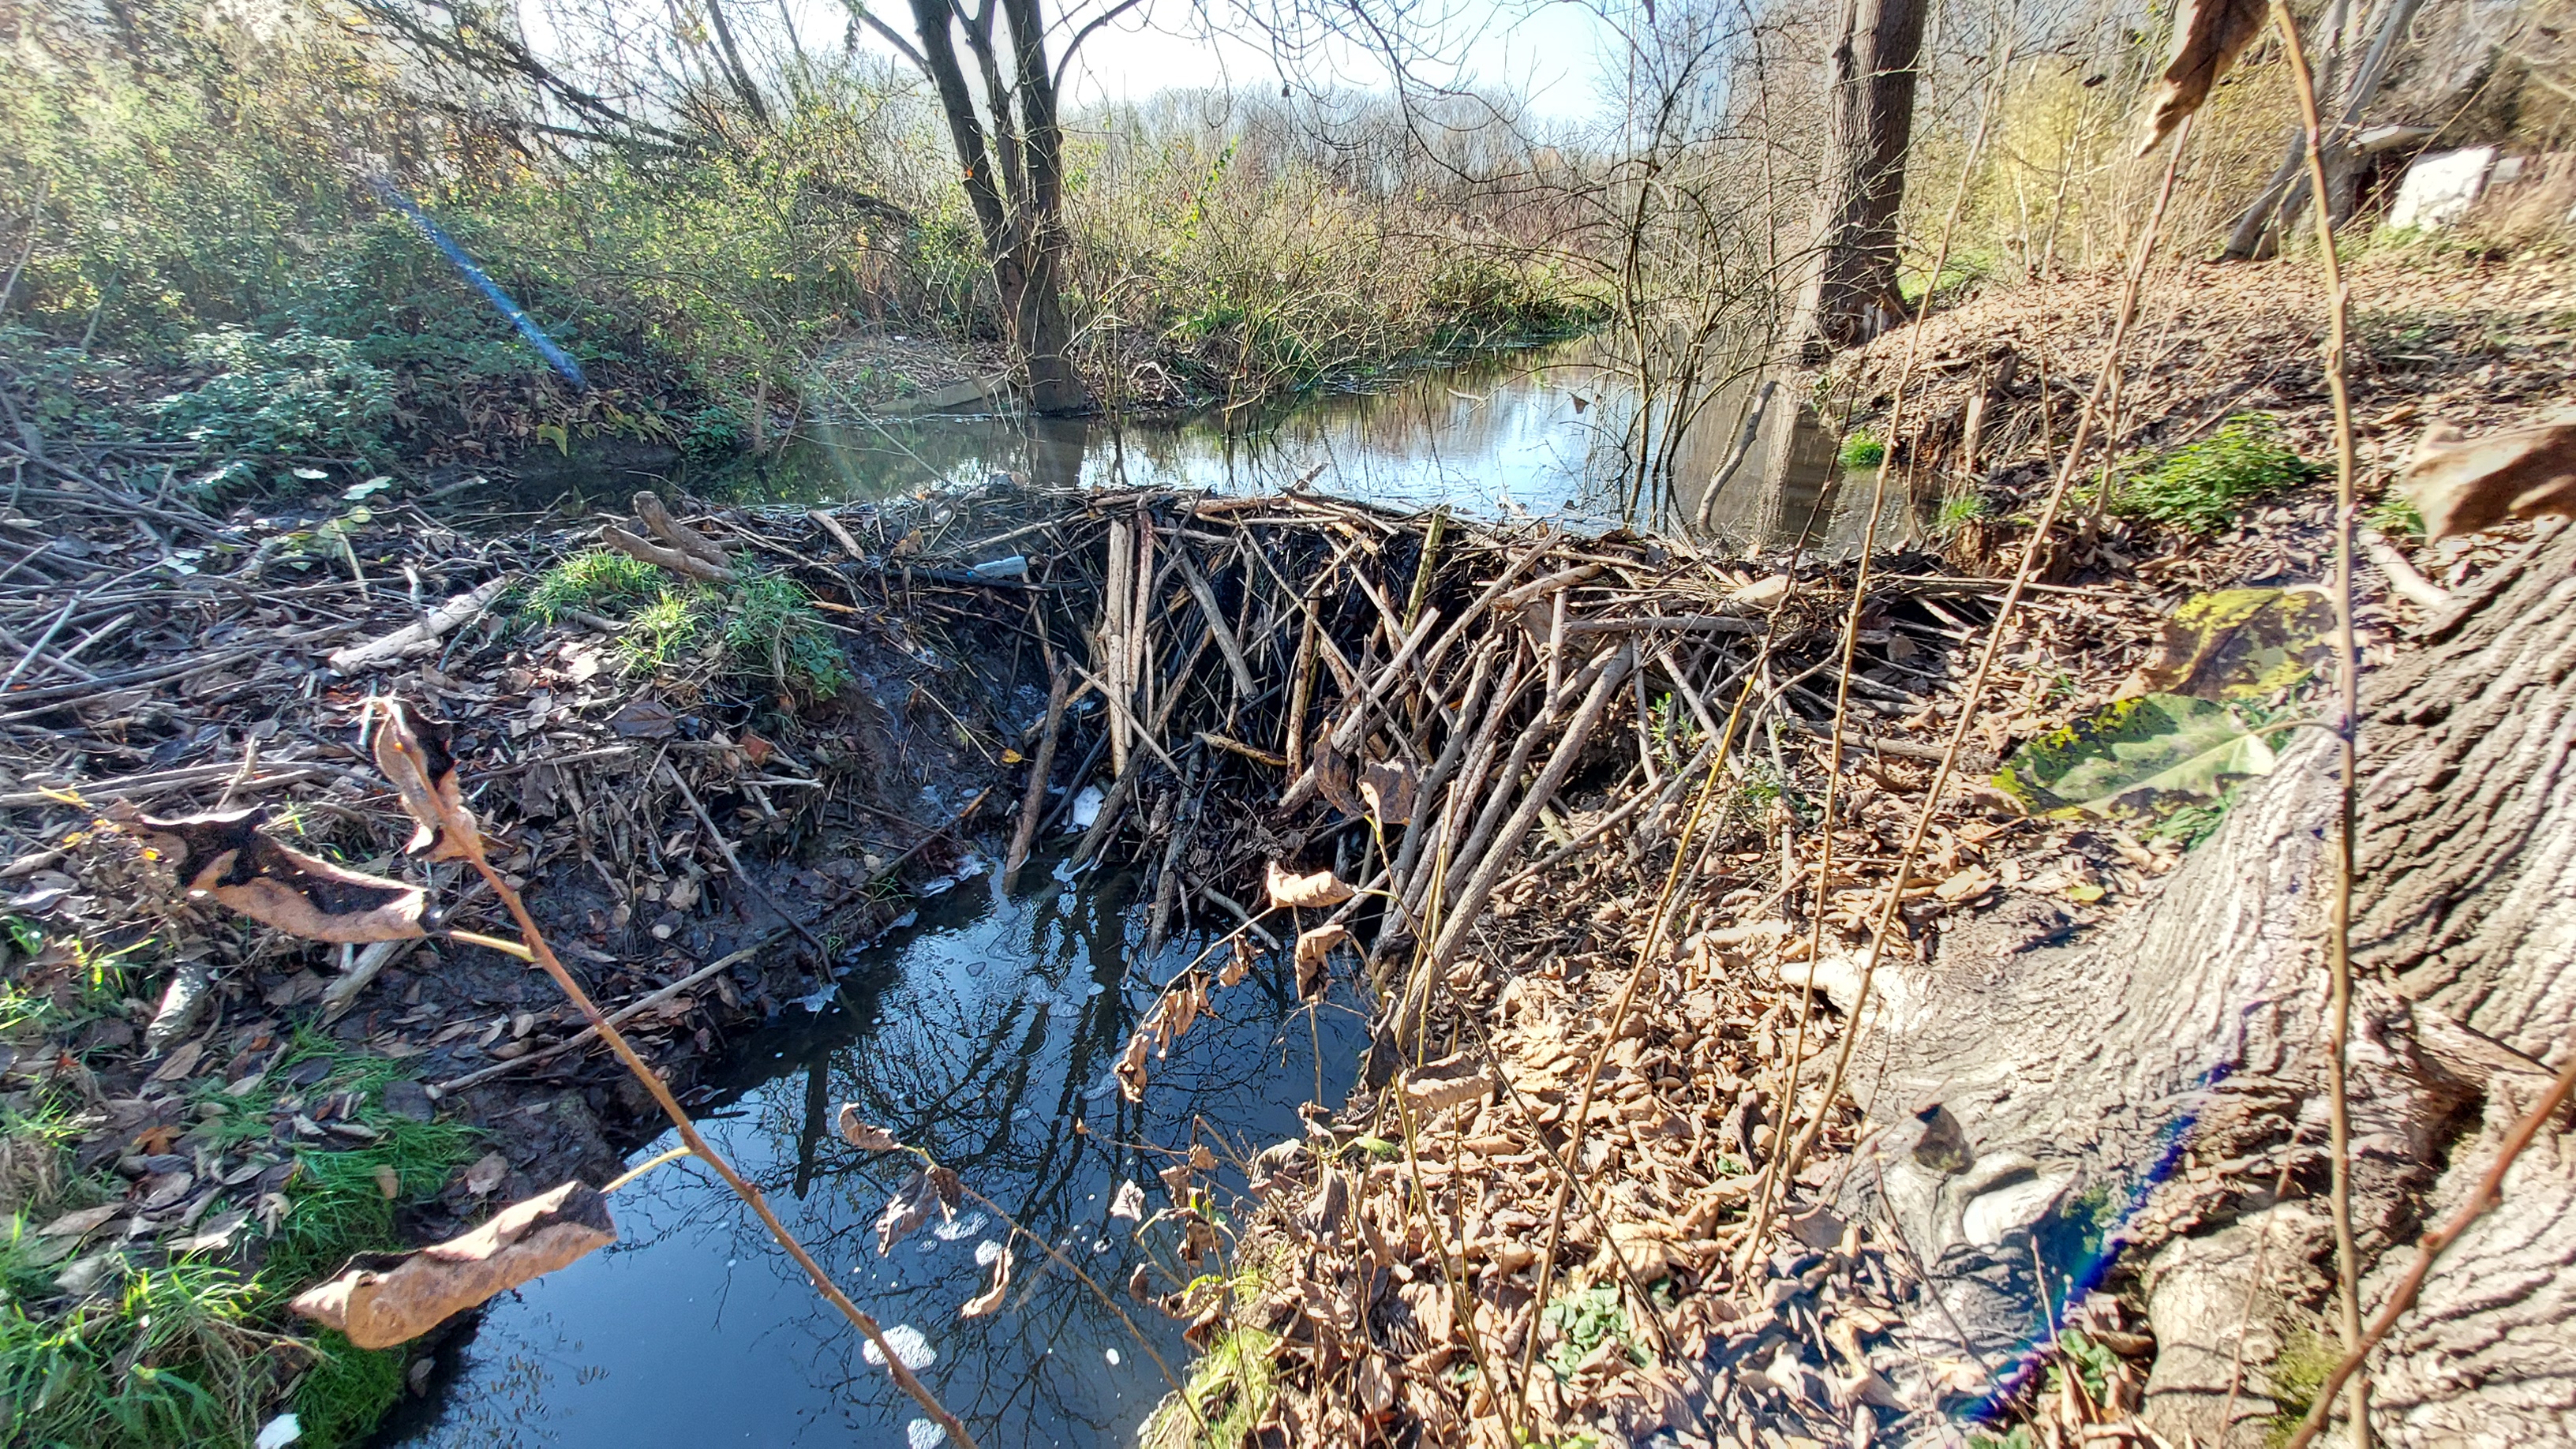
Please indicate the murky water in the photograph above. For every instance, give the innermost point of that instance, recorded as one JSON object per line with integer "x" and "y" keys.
{"x": 984, "y": 1032}
{"x": 1530, "y": 433}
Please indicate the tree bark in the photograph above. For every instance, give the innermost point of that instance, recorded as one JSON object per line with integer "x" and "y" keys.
{"x": 1851, "y": 292}
{"x": 2147, "y": 1080}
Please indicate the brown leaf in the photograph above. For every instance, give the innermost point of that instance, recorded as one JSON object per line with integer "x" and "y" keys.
{"x": 411, "y": 750}
{"x": 1333, "y": 781}
{"x": 2461, "y": 486}
{"x": 1313, "y": 950}
{"x": 1389, "y": 787}
{"x": 645, "y": 719}
{"x": 2208, "y": 36}
{"x": 226, "y": 859}
{"x": 911, "y": 1205}
{"x": 390, "y": 1302}
{"x": 865, "y": 1136}
{"x": 1319, "y": 889}
{"x": 1236, "y": 964}
{"x": 77, "y": 1224}
{"x": 1448, "y": 1082}
{"x": 486, "y": 1173}
{"x": 1131, "y": 1066}
{"x": 991, "y": 1298}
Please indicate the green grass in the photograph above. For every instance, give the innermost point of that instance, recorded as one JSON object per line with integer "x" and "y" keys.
{"x": 2396, "y": 516}
{"x": 765, "y": 628}
{"x": 1860, "y": 451}
{"x": 1961, "y": 509}
{"x": 2205, "y": 487}
{"x": 196, "y": 1351}
{"x": 598, "y": 581}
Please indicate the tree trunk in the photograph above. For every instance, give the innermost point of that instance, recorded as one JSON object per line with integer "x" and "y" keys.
{"x": 1014, "y": 177}
{"x": 2141, "y": 1085}
{"x": 1851, "y": 292}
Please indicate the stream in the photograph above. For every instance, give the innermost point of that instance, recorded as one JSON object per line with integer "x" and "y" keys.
{"x": 984, "y": 1031}
{"x": 1526, "y": 433}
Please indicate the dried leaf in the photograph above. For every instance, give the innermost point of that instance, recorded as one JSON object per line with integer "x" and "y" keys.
{"x": 1128, "y": 1202}
{"x": 177, "y": 1068}
{"x": 645, "y": 719}
{"x": 1237, "y": 965}
{"x": 1131, "y": 1066}
{"x": 76, "y": 1224}
{"x": 865, "y": 1136}
{"x": 386, "y": 1303}
{"x": 2461, "y": 486}
{"x": 411, "y": 750}
{"x": 226, "y": 859}
{"x": 1333, "y": 780}
{"x": 1314, "y": 948}
{"x": 1462, "y": 1077}
{"x": 1389, "y": 788}
{"x": 1319, "y": 889}
{"x": 2208, "y": 36}
{"x": 910, "y": 1207}
{"x": 991, "y": 1298}
{"x": 486, "y": 1173}
{"x": 1968, "y": 884}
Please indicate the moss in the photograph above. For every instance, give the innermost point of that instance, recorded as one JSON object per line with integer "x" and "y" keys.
{"x": 1860, "y": 451}
{"x": 2293, "y": 1379}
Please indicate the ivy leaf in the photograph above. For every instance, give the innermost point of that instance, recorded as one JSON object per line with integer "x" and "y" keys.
{"x": 2141, "y": 758}
{"x": 2242, "y": 643}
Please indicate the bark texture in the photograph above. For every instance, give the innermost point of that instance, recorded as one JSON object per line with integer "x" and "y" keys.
{"x": 2141, "y": 1089}
{"x": 1851, "y": 294}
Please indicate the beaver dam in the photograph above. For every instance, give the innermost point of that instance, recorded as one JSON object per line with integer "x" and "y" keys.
{"x": 1215, "y": 968}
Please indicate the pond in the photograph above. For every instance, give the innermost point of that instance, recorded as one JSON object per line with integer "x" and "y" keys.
{"x": 1527, "y": 433}
{"x": 984, "y": 1031}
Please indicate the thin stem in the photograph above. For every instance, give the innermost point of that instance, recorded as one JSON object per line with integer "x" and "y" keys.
{"x": 699, "y": 1147}
{"x": 2348, "y": 685}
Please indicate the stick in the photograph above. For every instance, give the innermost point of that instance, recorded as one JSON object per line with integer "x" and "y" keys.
{"x": 1039, "y": 773}
{"x": 429, "y": 630}
{"x": 2348, "y": 746}
{"x": 724, "y": 848}
{"x": 619, "y": 1017}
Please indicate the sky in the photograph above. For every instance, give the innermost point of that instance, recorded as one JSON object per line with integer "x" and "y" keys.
{"x": 1552, "y": 51}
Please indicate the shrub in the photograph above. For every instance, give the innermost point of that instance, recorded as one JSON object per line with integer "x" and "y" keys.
{"x": 295, "y": 394}
{"x": 2203, "y": 487}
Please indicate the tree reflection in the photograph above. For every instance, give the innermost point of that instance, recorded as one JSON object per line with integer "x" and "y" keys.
{"x": 984, "y": 1038}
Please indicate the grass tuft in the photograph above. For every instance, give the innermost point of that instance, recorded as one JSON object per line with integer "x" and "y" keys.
{"x": 599, "y": 581}
{"x": 1860, "y": 451}
{"x": 2206, "y": 486}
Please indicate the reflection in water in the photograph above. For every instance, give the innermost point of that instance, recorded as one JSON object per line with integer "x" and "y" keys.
{"x": 1534, "y": 433}
{"x": 985, "y": 1037}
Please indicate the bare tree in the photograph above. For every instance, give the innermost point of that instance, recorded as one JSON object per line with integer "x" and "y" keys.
{"x": 1850, "y": 294}
{"x": 1004, "y": 123}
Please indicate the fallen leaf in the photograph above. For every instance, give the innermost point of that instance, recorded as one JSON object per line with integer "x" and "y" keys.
{"x": 2144, "y": 757}
{"x": 2208, "y": 36}
{"x": 181, "y": 1063}
{"x": 388, "y": 1181}
{"x": 216, "y": 1235}
{"x": 1762, "y": 593}
{"x": 645, "y": 719}
{"x": 486, "y": 1173}
{"x": 1128, "y": 1202}
{"x": 380, "y": 1305}
{"x": 1389, "y": 788}
{"x": 78, "y": 1224}
{"x": 412, "y": 751}
{"x": 1314, "y": 950}
{"x": 2462, "y": 485}
{"x": 911, "y": 1205}
{"x": 865, "y": 1136}
{"x": 1319, "y": 889}
{"x": 1454, "y": 1079}
{"x": 229, "y": 860}
{"x": 991, "y": 1298}
{"x": 1966, "y": 885}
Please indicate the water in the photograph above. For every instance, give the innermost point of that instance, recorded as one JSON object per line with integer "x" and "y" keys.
{"x": 1534, "y": 433}
{"x": 984, "y": 1033}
